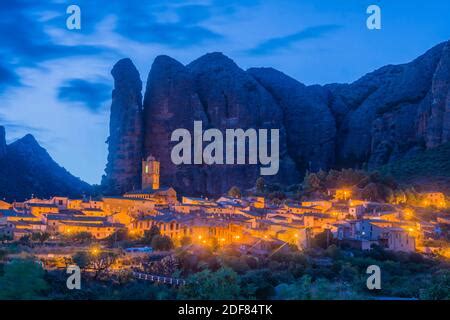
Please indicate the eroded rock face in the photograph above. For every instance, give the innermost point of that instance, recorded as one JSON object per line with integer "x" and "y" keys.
{"x": 310, "y": 125}
{"x": 233, "y": 99}
{"x": 170, "y": 103}
{"x": 386, "y": 115}
{"x": 392, "y": 111}
{"x": 438, "y": 131}
{"x": 214, "y": 90}
{"x": 123, "y": 170}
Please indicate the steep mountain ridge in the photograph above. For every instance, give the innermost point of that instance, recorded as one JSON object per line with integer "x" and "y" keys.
{"x": 27, "y": 169}
{"x": 389, "y": 114}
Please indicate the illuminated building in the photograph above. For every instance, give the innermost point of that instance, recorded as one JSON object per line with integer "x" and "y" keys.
{"x": 150, "y": 173}
{"x": 434, "y": 199}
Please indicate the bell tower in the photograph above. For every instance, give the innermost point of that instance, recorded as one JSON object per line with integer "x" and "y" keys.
{"x": 150, "y": 173}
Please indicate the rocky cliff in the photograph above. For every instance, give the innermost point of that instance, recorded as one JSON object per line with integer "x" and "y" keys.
{"x": 389, "y": 114}
{"x": 394, "y": 111}
{"x": 176, "y": 96}
{"x": 125, "y": 130}
{"x": 27, "y": 169}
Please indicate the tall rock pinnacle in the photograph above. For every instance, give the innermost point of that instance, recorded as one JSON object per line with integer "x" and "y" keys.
{"x": 126, "y": 130}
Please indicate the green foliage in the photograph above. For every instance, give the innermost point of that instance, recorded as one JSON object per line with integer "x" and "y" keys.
{"x": 207, "y": 285}
{"x": 116, "y": 289}
{"x": 120, "y": 235}
{"x": 323, "y": 240}
{"x": 3, "y": 254}
{"x": 97, "y": 262}
{"x": 235, "y": 192}
{"x": 185, "y": 241}
{"x": 23, "y": 280}
{"x": 40, "y": 237}
{"x": 81, "y": 259}
{"x": 365, "y": 185}
{"x": 81, "y": 237}
{"x": 260, "y": 185}
{"x": 320, "y": 289}
{"x": 150, "y": 234}
{"x": 257, "y": 284}
{"x": 429, "y": 166}
{"x": 167, "y": 266}
{"x": 162, "y": 243}
{"x": 439, "y": 288}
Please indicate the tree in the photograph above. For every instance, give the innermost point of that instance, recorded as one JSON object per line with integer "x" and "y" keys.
{"x": 3, "y": 254}
{"x": 82, "y": 237}
{"x": 235, "y": 192}
{"x": 97, "y": 262}
{"x": 24, "y": 240}
{"x": 207, "y": 285}
{"x": 438, "y": 288}
{"x": 323, "y": 240}
{"x": 150, "y": 234}
{"x": 40, "y": 237}
{"x": 101, "y": 262}
{"x": 256, "y": 284}
{"x": 162, "y": 243}
{"x": 3, "y": 238}
{"x": 260, "y": 185}
{"x": 312, "y": 182}
{"x": 23, "y": 279}
{"x": 185, "y": 241}
{"x": 167, "y": 266}
{"x": 81, "y": 259}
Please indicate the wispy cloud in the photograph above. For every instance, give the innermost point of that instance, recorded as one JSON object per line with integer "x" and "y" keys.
{"x": 8, "y": 78}
{"x": 285, "y": 42}
{"x": 25, "y": 41}
{"x": 90, "y": 94}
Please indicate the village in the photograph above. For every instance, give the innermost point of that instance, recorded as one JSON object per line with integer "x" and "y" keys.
{"x": 250, "y": 222}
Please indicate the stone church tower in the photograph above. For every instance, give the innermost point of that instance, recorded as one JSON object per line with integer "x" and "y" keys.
{"x": 150, "y": 173}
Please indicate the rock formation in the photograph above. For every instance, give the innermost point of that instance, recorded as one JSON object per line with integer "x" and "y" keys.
{"x": 176, "y": 96}
{"x": 170, "y": 103}
{"x": 125, "y": 130}
{"x": 310, "y": 125}
{"x": 391, "y": 113}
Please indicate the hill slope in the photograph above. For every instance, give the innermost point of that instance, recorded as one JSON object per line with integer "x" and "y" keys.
{"x": 429, "y": 169}
{"x": 26, "y": 168}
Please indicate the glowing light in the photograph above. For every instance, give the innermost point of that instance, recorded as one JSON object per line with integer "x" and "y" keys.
{"x": 408, "y": 212}
{"x": 95, "y": 251}
{"x": 199, "y": 237}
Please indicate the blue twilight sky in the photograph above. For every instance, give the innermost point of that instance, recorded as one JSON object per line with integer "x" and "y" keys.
{"x": 55, "y": 83}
